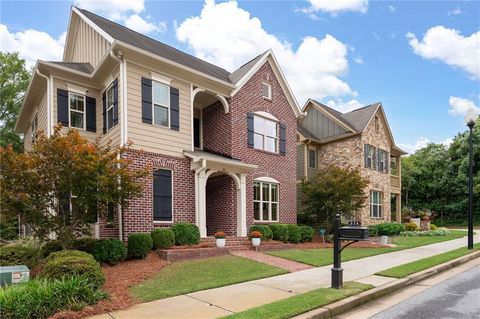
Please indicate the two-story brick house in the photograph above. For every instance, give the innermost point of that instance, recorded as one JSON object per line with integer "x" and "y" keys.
{"x": 359, "y": 139}
{"x": 221, "y": 145}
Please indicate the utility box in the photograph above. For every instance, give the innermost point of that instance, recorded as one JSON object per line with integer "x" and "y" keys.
{"x": 13, "y": 274}
{"x": 353, "y": 233}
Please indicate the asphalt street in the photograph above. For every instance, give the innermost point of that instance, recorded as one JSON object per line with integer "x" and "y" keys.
{"x": 455, "y": 298}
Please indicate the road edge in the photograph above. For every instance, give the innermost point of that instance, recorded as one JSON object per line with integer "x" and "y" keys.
{"x": 341, "y": 306}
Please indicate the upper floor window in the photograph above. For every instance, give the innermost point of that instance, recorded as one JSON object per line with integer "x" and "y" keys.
{"x": 265, "y": 201}
{"x": 161, "y": 103}
{"x": 266, "y": 134}
{"x": 267, "y": 90}
{"x": 34, "y": 127}
{"x": 369, "y": 153}
{"x": 312, "y": 158}
{"x": 110, "y": 103}
{"x": 376, "y": 207}
{"x": 76, "y": 107}
{"x": 393, "y": 166}
{"x": 382, "y": 161}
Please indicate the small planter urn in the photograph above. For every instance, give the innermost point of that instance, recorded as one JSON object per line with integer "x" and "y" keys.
{"x": 425, "y": 218}
{"x": 220, "y": 239}
{"x": 256, "y": 238}
{"x": 407, "y": 219}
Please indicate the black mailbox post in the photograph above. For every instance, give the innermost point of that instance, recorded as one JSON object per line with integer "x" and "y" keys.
{"x": 350, "y": 233}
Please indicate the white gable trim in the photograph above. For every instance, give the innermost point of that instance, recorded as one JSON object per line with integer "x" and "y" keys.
{"x": 93, "y": 25}
{"x": 278, "y": 73}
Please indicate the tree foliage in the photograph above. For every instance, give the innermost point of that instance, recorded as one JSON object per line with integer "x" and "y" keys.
{"x": 64, "y": 182}
{"x": 436, "y": 178}
{"x": 13, "y": 83}
{"x": 333, "y": 190}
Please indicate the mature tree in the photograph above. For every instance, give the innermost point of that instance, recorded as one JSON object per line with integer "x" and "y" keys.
{"x": 13, "y": 83}
{"x": 64, "y": 183}
{"x": 333, "y": 190}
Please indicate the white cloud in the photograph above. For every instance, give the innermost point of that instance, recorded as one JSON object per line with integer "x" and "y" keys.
{"x": 344, "y": 107}
{"x": 139, "y": 24}
{"x": 31, "y": 45}
{"x": 359, "y": 60}
{"x": 450, "y": 47}
{"x": 391, "y": 8}
{"x": 460, "y": 106}
{"x": 229, "y": 36}
{"x": 455, "y": 12}
{"x": 421, "y": 142}
{"x": 335, "y": 7}
{"x": 447, "y": 142}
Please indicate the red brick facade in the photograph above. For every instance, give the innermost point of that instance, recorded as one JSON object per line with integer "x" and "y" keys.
{"x": 221, "y": 202}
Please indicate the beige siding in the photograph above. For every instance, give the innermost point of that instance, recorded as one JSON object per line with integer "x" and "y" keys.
{"x": 156, "y": 138}
{"x": 40, "y": 109}
{"x": 300, "y": 161}
{"x": 113, "y": 135}
{"x": 89, "y": 46}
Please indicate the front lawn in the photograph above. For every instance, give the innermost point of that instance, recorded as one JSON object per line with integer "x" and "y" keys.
{"x": 302, "y": 303}
{"x": 422, "y": 264}
{"x": 323, "y": 257}
{"x": 194, "y": 275}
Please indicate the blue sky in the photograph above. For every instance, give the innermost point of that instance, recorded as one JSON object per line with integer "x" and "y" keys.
{"x": 421, "y": 59}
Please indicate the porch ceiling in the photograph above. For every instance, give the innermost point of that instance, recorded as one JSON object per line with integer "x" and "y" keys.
{"x": 217, "y": 162}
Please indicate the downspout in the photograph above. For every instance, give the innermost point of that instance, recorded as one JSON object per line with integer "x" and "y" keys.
{"x": 122, "y": 139}
{"x": 49, "y": 103}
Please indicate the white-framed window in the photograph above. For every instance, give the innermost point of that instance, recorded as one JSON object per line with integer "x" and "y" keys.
{"x": 109, "y": 100}
{"x": 369, "y": 156}
{"x": 34, "y": 127}
{"x": 393, "y": 166}
{"x": 267, "y": 90}
{"x": 76, "y": 110}
{"x": 376, "y": 206}
{"x": 312, "y": 158}
{"x": 265, "y": 201}
{"x": 161, "y": 103}
{"x": 382, "y": 161}
{"x": 266, "y": 134}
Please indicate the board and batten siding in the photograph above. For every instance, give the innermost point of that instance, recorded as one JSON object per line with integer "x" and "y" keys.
{"x": 89, "y": 45}
{"x": 153, "y": 138}
{"x": 320, "y": 125}
{"x": 300, "y": 161}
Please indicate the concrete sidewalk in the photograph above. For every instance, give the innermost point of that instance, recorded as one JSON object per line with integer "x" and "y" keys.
{"x": 218, "y": 302}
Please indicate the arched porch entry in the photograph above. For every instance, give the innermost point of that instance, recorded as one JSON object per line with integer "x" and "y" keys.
{"x": 221, "y": 203}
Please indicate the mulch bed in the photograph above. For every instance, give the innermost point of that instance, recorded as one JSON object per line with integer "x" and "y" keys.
{"x": 118, "y": 280}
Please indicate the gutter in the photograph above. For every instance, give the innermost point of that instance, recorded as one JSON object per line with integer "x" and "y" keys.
{"x": 49, "y": 101}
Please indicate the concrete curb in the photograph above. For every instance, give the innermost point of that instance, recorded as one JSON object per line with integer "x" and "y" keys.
{"x": 341, "y": 306}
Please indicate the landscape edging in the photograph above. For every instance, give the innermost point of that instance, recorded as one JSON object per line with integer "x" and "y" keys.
{"x": 341, "y": 306}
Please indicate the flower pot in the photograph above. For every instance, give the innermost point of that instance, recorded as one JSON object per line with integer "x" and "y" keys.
{"x": 407, "y": 219}
{"x": 220, "y": 242}
{"x": 256, "y": 241}
{"x": 425, "y": 218}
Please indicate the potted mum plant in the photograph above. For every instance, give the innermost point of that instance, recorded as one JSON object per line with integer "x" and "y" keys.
{"x": 220, "y": 239}
{"x": 256, "y": 238}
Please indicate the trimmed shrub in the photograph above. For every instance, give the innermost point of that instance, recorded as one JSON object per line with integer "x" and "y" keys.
{"x": 162, "y": 238}
{"x": 294, "y": 233}
{"x": 85, "y": 244}
{"x": 49, "y": 247}
{"x": 41, "y": 298}
{"x": 110, "y": 251}
{"x": 433, "y": 227}
{"x": 386, "y": 229}
{"x": 411, "y": 226}
{"x": 264, "y": 229}
{"x": 427, "y": 233}
{"x": 19, "y": 255}
{"x": 307, "y": 233}
{"x": 279, "y": 232}
{"x": 139, "y": 245}
{"x": 69, "y": 263}
{"x": 186, "y": 234}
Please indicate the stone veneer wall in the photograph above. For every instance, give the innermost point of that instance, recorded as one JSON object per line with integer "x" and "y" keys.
{"x": 221, "y": 205}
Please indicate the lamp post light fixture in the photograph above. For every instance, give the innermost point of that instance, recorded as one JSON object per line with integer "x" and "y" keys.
{"x": 470, "y": 118}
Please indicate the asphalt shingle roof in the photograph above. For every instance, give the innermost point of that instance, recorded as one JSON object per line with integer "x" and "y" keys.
{"x": 82, "y": 67}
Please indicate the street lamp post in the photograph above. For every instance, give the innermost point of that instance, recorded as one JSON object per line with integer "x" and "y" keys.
{"x": 470, "y": 120}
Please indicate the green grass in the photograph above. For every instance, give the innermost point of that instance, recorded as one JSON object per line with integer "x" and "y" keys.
{"x": 302, "y": 303}
{"x": 194, "y": 275}
{"x": 323, "y": 257}
{"x": 422, "y": 264}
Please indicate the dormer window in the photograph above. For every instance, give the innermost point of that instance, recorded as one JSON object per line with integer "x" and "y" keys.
{"x": 267, "y": 90}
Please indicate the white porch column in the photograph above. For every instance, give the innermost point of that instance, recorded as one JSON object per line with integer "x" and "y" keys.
{"x": 242, "y": 207}
{"x": 201, "y": 216}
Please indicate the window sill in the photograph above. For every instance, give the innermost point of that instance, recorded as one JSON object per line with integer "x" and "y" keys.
{"x": 263, "y": 222}
{"x": 266, "y": 152}
{"x": 267, "y": 99}
{"x": 157, "y": 222}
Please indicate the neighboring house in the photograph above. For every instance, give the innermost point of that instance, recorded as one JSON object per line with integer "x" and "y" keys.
{"x": 221, "y": 145}
{"x": 359, "y": 139}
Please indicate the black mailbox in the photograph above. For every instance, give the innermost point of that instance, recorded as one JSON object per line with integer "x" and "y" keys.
{"x": 353, "y": 233}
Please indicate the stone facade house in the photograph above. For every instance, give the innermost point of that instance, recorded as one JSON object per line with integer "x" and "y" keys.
{"x": 359, "y": 139}
{"x": 222, "y": 145}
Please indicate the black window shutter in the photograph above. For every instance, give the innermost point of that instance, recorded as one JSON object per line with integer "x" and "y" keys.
{"x": 250, "y": 129}
{"x": 387, "y": 157}
{"x": 283, "y": 139}
{"x": 91, "y": 114}
{"x": 147, "y": 100}
{"x": 365, "y": 154}
{"x": 174, "y": 109}
{"x": 104, "y": 113}
{"x": 62, "y": 107}
{"x": 115, "y": 101}
{"x": 162, "y": 195}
